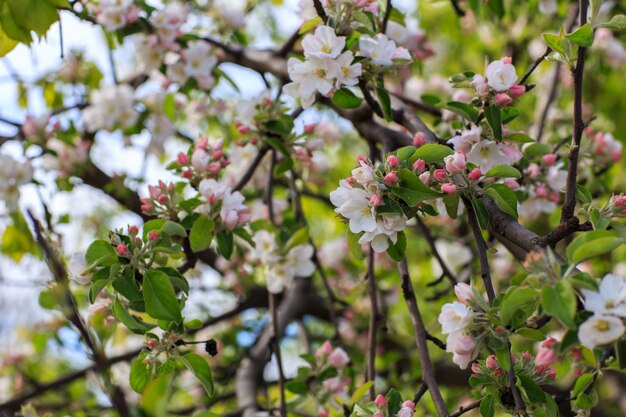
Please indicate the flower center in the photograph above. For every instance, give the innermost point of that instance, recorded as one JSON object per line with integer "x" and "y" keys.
{"x": 602, "y": 325}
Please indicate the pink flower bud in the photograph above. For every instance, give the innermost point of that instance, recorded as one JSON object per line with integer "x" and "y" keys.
{"x": 475, "y": 174}
{"x": 541, "y": 191}
{"x": 391, "y": 178}
{"x": 551, "y": 373}
{"x": 392, "y": 161}
{"x": 506, "y": 60}
{"x": 517, "y": 90}
{"x": 376, "y": 200}
{"x": 137, "y": 241}
{"x": 153, "y": 235}
{"x": 419, "y": 165}
{"x": 150, "y": 344}
{"x": 380, "y": 401}
{"x": 455, "y": 163}
{"x": 121, "y": 249}
{"x": 498, "y": 372}
{"x": 409, "y": 403}
{"x": 214, "y": 168}
{"x": 324, "y": 412}
{"x": 133, "y": 230}
{"x": 439, "y": 175}
{"x": 545, "y": 358}
{"x": 491, "y": 362}
{"x": 419, "y": 139}
{"x": 187, "y": 174}
{"x": 243, "y": 129}
{"x": 500, "y": 330}
{"x": 463, "y": 292}
{"x": 202, "y": 143}
{"x": 377, "y": 415}
{"x": 146, "y": 208}
{"x": 577, "y": 354}
{"x": 503, "y": 99}
{"x": 162, "y": 199}
{"x": 425, "y": 177}
{"x": 324, "y": 350}
{"x": 526, "y": 356}
{"x": 533, "y": 170}
{"x": 309, "y": 128}
{"x": 464, "y": 345}
{"x": 182, "y": 158}
{"x": 361, "y": 158}
{"x": 549, "y": 159}
{"x": 338, "y": 358}
{"x": 448, "y": 188}
{"x": 475, "y": 368}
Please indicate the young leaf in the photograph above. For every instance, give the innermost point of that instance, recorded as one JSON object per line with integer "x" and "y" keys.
{"x": 487, "y": 408}
{"x": 503, "y": 171}
{"x": 225, "y": 243}
{"x": 201, "y": 369}
{"x": 504, "y": 197}
{"x": 133, "y": 323}
{"x": 464, "y": 110}
{"x": 385, "y": 103}
{"x": 139, "y": 374}
{"x": 583, "y": 36}
{"x": 100, "y": 253}
{"x": 431, "y": 153}
{"x": 201, "y": 234}
{"x": 346, "y": 98}
{"x": 533, "y": 391}
{"x": 515, "y": 300}
{"x": 560, "y": 301}
{"x": 617, "y": 22}
{"x": 594, "y": 243}
{"x": 159, "y": 296}
{"x": 494, "y": 118}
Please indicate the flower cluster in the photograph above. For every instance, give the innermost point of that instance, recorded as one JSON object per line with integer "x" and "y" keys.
{"x": 161, "y": 200}
{"x": 13, "y": 174}
{"x": 382, "y": 51}
{"x": 454, "y": 319}
{"x": 358, "y": 199}
{"x": 223, "y": 202}
{"x": 206, "y": 161}
{"x": 608, "y": 306}
{"x": 615, "y": 207}
{"x": 324, "y": 69}
{"x": 111, "y": 107}
{"x": 281, "y": 264}
{"x": 330, "y": 361}
{"x": 534, "y": 368}
{"x": 114, "y": 14}
{"x": 544, "y": 183}
{"x": 605, "y": 149}
{"x": 498, "y": 84}
{"x": 406, "y": 409}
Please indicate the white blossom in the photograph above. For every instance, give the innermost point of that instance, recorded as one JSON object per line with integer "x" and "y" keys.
{"x": 324, "y": 43}
{"x": 487, "y": 154}
{"x": 500, "y": 76}
{"x": 381, "y": 50}
{"x": 610, "y": 299}
{"x": 454, "y": 317}
{"x": 76, "y": 267}
{"x": 600, "y": 330}
{"x": 387, "y": 227}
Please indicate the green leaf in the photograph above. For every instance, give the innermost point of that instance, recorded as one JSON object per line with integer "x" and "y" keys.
{"x": 555, "y": 42}
{"x": 598, "y": 221}
{"x": 487, "y": 406}
{"x": 346, "y": 99}
{"x": 411, "y": 189}
{"x": 139, "y": 375}
{"x": 159, "y": 296}
{"x": 583, "y": 36}
{"x": 481, "y": 213}
{"x": 171, "y": 228}
{"x": 394, "y": 401}
{"x": 300, "y": 237}
{"x": 360, "y": 392}
{"x": 532, "y": 334}
{"x": 35, "y": 15}
{"x": 225, "y": 243}
{"x": 583, "y": 195}
{"x": 496, "y": 7}
{"x": 537, "y": 149}
{"x": 583, "y": 381}
{"x": 504, "y": 358}
{"x": 6, "y": 43}
{"x": 504, "y": 197}
{"x": 297, "y": 387}
{"x": 452, "y": 204}
{"x": 620, "y": 350}
{"x": 503, "y": 171}
{"x": 397, "y": 250}
{"x": 133, "y": 323}
{"x": 310, "y": 24}
{"x": 405, "y": 152}
{"x": 533, "y": 391}
{"x": 100, "y": 253}
{"x": 519, "y": 138}
{"x": 464, "y": 110}
{"x": 515, "y": 300}
{"x": 431, "y": 153}
{"x": 169, "y": 107}
{"x": 560, "y": 301}
{"x": 594, "y": 243}
{"x": 494, "y": 118}
{"x": 201, "y": 234}
{"x": 354, "y": 246}
{"x": 617, "y": 22}
{"x": 201, "y": 369}
{"x": 385, "y": 103}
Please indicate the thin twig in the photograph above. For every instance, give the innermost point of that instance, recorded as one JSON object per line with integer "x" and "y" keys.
{"x": 572, "y": 170}
{"x": 319, "y": 8}
{"x": 457, "y": 8}
{"x": 388, "y": 9}
{"x": 276, "y": 345}
{"x": 373, "y": 325}
{"x": 465, "y": 408}
{"x": 288, "y": 46}
{"x": 431, "y": 242}
{"x": 428, "y": 374}
{"x": 251, "y": 169}
{"x": 534, "y": 66}
{"x": 482, "y": 249}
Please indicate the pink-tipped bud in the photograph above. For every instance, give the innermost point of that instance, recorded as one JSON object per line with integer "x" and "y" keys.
{"x": 475, "y": 174}
{"x": 506, "y": 60}
{"x": 392, "y": 161}
{"x": 182, "y": 158}
{"x": 503, "y": 99}
{"x": 391, "y": 178}
{"x": 548, "y": 343}
{"x": 455, "y": 163}
{"x": 376, "y": 200}
{"x": 309, "y": 128}
{"x": 549, "y": 159}
{"x": 187, "y": 174}
{"x": 146, "y": 208}
{"x": 439, "y": 175}
{"x": 162, "y": 199}
{"x": 425, "y": 177}
{"x": 577, "y": 354}
{"x": 324, "y": 412}
{"x": 121, "y": 249}
{"x": 377, "y": 415}
{"x": 153, "y": 235}
{"x": 517, "y": 90}
{"x": 448, "y": 188}
{"x": 380, "y": 401}
{"x": 214, "y": 168}
{"x": 150, "y": 344}
{"x": 500, "y": 330}
{"x": 541, "y": 191}
{"x": 137, "y": 241}
{"x": 408, "y": 403}
{"x": 491, "y": 362}
{"x": 243, "y": 129}
{"x": 133, "y": 230}
{"x": 324, "y": 350}
{"x": 419, "y": 139}
{"x": 463, "y": 292}
{"x": 551, "y": 373}
{"x": 475, "y": 368}
{"x": 202, "y": 143}
{"x": 419, "y": 165}
{"x": 526, "y": 356}
{"x": 361, "y": 158}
